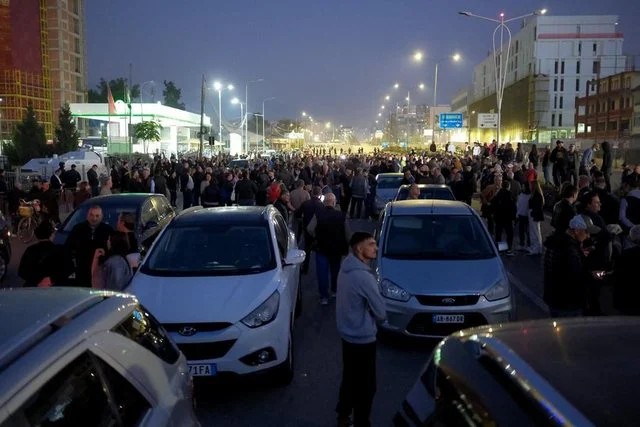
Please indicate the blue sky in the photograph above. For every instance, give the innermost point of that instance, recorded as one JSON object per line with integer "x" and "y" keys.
{"x": 335, "y": 59}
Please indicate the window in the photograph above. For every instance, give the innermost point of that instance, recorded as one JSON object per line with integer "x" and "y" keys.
{"x": 560, "y": 119}
{"x": 577, "y": 85}
{"x": 596, "y": 67}
{"x": 148, "y": 213}
{"x": 517, "y": 45}
{"x": 595, "y": 47}
{"x": 562, "y": 68}
{"x": 145, "y": 330}
{"x": 555, "y": 68}
{"x": 561, "y": 102}
{"x": 553, "y": 120}
{"x": 78, "y": 67}
{"x": 561, "y": 85}
{"x": 613, "y": 105}
{"x": 282, "y": 235}
{"x": 85, "y": 392}
{"x": 77, "y": 46}
{"x": 578, "y": 67}
{"x": 555, "y": 101}
{"x": 535, "y": 33}
{"x": 579, "y": 48}
{"x": 555, "y": 85}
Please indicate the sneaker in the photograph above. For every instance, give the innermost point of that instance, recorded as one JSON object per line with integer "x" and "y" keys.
{"x": 324, "y": 301}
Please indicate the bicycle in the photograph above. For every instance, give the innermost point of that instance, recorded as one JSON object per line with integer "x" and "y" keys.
{"x": 30, "y": 219}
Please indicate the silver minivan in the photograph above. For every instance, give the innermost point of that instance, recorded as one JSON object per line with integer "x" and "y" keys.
{"x": 439, "y": 269}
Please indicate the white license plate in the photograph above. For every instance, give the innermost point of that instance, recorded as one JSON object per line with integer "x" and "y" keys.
{"x": 202, "y": 369}
{"x": 448, "y": 318}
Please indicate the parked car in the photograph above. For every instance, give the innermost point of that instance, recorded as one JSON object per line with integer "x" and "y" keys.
{"x": 387, "y": 185}
{"x": 153, "y": 212}
{"x": 439, "y": 269}
{"x": 552, "y": 372}
{"x": 427, "y": 191}
{"x": 82, "y": 357}
{"x": 5, "y": 246}
{"x": 230, "y": 301}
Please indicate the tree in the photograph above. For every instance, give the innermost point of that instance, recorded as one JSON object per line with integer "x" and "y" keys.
{"x": 67, "y": 136}
{"x": 172, "y": 95}
{"x": 118, "y": 89}
{"x": 147, "y": 131}
{"x": 28, "y": 140}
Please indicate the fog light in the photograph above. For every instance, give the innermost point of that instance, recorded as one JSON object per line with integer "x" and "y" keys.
{"x": 260, "y": 357}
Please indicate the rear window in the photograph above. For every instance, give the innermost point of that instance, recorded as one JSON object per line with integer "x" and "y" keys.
{"x": 428, "y": 194}
{"x": 144, "y": 329}
{"x": 110, "y": 214}
{"x": 385, "y": 182}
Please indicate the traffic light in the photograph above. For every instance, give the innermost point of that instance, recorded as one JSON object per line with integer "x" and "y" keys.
{"x": 212, "y": 140}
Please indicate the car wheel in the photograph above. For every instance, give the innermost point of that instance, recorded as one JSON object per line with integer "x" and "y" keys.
{"x": 3, "y": 268}
{"x": 298, "y": 311}
{"x": 284, "y": 372}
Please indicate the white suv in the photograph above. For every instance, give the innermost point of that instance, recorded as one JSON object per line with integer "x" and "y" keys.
{"x": 73, "y": 357}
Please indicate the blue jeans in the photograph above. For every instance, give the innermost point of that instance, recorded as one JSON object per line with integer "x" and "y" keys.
{"x": 327, "y": 267}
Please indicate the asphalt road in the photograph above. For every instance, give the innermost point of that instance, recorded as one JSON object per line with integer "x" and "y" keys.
{"x": 311, "y": 398}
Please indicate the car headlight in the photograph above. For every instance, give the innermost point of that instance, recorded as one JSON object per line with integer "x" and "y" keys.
{"x": 392, "y": 291}
{"x": 265, "y": 313}
{"x": 498, "y": 291}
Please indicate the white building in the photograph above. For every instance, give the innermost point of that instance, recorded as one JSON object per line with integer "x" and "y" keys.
{"x": 561, "y": 53}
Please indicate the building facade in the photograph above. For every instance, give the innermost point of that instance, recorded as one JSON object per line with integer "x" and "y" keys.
{"x": 606, "y": 113}
{"x": 42, "y": 60}
{"x": 551, "y": 60}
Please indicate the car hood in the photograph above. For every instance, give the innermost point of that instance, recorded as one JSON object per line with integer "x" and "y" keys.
{"x": 203, "y": 299}
{"x": 443, "y": 277}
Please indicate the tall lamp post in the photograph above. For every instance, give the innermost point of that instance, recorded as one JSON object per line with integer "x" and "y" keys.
{"x": 219, "y": 88}
{"x": 263, "y": 116}
{"x": 237, "y": 101}
{"x": 500, "y": 61}
{"x": 246, "y": 103}
{"x": 419, "y": 56}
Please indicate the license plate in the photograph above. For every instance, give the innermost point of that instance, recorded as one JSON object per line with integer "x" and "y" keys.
{"x": 448, "y": 318}
{"x": 202, "y": 369}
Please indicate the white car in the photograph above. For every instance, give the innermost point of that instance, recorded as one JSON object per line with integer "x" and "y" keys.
{"x": 225, "y": 284}
{"x": 83, "y": 357}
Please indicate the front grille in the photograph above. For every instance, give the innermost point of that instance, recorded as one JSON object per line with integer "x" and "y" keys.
{"x": 448, "y": 300}
{"x": 199, "y": 327}
{"x": 422, "y": 324}
{"x": 207, "y": 350}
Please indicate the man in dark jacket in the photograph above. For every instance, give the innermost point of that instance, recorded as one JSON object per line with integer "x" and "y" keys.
{"x": 504, "y": 212}
{"x": 559, "y": 159}
{"x": 307, "y": 212}
{"x": 564, "y": 274}
{"x": 329, "y": 227}
{"x": 94, "y": 183}
{"x": 246, "y": 190}
{"x": 564, "y": 210}
{"x": 71, "y": 178}
{"x": 607, "y": 163}
{"x": 626, "y": 290}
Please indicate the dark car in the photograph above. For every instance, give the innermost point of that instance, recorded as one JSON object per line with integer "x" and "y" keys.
{"x": 427, "y": 191}
{"x": 580, "y": 372}
{"x": 239, "y": 163}
{"x": 153, "y": 213}
{"x": 5, "y": 246}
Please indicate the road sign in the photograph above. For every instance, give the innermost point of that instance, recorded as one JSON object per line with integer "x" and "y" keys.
{"x": 450, "y": 120}
{"x": 488, "y": 120}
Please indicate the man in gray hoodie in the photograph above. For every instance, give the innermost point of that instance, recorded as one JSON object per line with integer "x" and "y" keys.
{"x": 359, "y": 306}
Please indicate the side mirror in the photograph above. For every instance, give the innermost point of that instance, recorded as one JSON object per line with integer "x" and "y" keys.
{"x": 294, "y": 257}
{"x": 503, "y": 247}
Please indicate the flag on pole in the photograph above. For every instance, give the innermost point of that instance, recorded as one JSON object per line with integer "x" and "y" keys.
{"x": 112, "y": 103}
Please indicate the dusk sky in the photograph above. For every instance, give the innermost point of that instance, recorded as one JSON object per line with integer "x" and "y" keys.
{"x": 334, "y": 59}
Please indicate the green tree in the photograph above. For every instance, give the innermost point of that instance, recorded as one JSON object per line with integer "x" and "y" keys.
{"x": 67, "y": 136}
{"x": 118, "y": 89}
{"x": 147, "y": 131}
{"x": 172, "y": 95}
{"x": 28, "y": 140}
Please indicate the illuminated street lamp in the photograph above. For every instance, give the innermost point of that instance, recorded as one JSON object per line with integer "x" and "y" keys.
{"x": 219, "y": 87}
{"x": 387, "y": 98}
{"x": 500, "y": 63}
{"x": 237, "y": 101}
{"x": 396, "y": 86}
{"x": 417, "y": 56}
{"x": 382, "y": 107}
{"x": 421, "y": 86}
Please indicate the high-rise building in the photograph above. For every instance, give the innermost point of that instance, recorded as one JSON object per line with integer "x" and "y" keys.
{"x": 550, "y": 62}
{"x": 42, "y": 60}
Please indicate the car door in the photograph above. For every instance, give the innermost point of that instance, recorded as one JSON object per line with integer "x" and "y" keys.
{"x": 289, "y": 272}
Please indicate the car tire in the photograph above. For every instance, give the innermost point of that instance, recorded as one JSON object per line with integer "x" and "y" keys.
{"x": 298, "y": 310}
{"x": 284, "y": 372}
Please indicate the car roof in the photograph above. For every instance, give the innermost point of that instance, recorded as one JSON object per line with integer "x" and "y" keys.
{"x": 28, "y": 315}
{"x": 119, "y": 199}
{"x": 421, "y": 186}
{"x": 390, "y": 175}
{"x": 229, "y": 214}
{"x": 591, "y": 362}
{"x": 428, "y": 207}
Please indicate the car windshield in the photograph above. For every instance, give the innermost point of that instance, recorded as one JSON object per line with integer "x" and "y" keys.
{"x": 221, "y": 250}
{"x": 385, "y": 182}
{"x": 110, "y": 214}
{"x": 427, "y": 193}
{"x": 437, "y": 237}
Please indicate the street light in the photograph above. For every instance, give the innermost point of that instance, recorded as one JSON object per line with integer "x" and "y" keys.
{"x": 219, "y": 87}
{"x": 246, "y": 103}
{"x": 382, "y": 107}
{"x": 263, "y": 132}
{"x": 500, "y": 65}
{"x": 417, "y": 56}
{"x": 237, "y": 101}
{"x": 421, "y": 86}
{"x": 396, "y": 86}
{"x": 387, "y": 98}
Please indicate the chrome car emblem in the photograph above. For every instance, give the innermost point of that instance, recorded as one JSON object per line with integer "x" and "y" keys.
{"x": 448, "y": 300}
{"x": 187, "y": 331}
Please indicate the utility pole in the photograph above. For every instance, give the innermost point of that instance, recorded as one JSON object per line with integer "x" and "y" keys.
{"x": 202, "y": 117}
{"x": 130, "y": 127}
